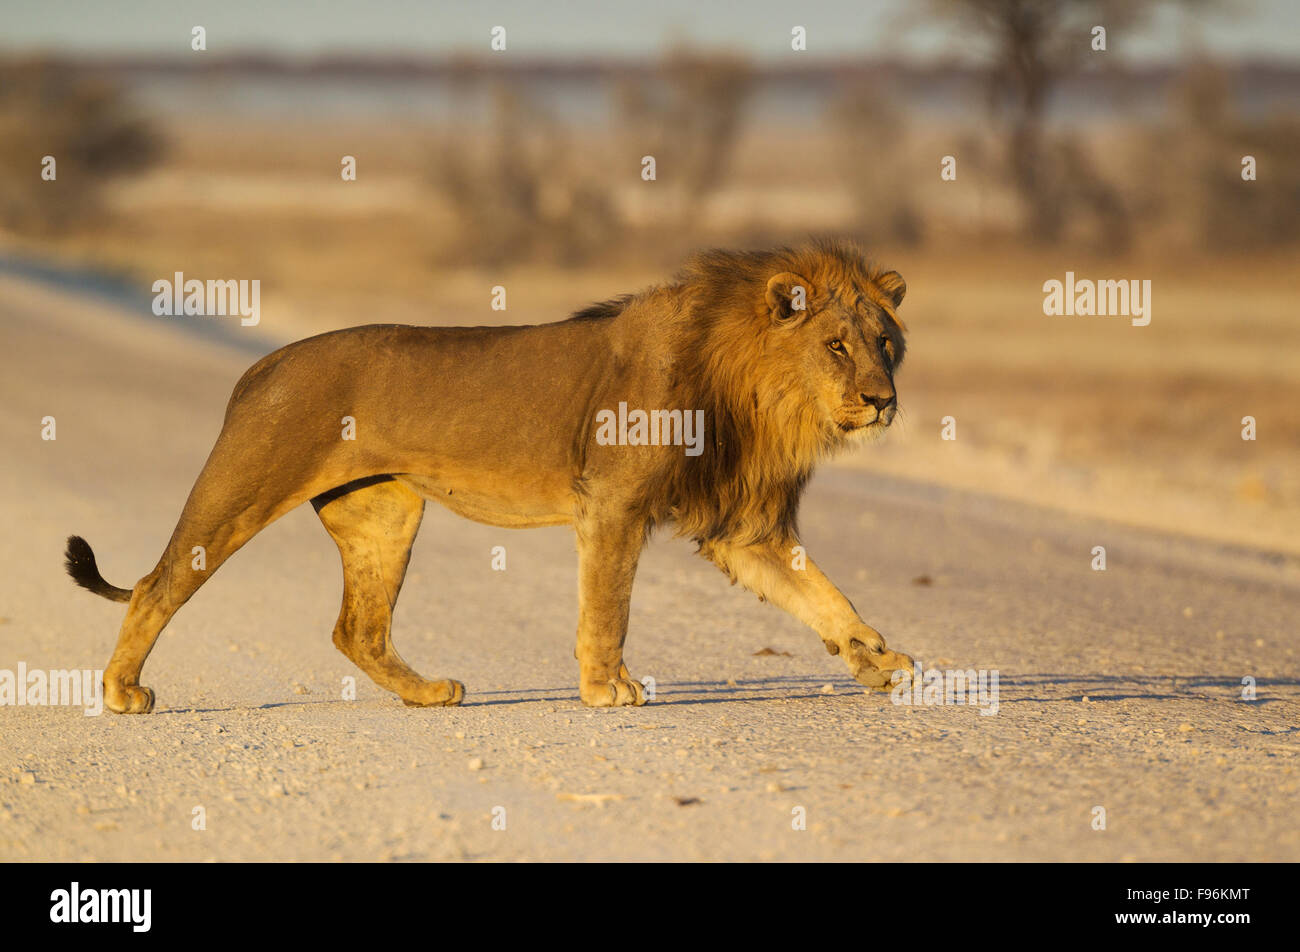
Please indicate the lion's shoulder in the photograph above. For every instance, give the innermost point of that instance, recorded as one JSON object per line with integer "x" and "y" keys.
{"x": 603, "y": 310}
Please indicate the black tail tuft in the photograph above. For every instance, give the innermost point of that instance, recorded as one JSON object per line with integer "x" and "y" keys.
{"x": 79, "y": 560}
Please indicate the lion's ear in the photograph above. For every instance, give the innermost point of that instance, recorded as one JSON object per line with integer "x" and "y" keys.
{"x": 787, "y": 297}
{"x": 893, "y": 286}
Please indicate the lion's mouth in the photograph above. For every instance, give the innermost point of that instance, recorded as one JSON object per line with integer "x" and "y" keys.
{"x": 854, "y": 419}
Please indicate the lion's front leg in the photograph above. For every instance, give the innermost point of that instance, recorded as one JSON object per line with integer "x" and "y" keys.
{"x": 774, "y": 571}
{"x": 609, "y": 546}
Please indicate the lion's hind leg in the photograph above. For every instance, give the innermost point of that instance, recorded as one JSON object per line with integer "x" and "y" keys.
{"x": 374, "y": 522}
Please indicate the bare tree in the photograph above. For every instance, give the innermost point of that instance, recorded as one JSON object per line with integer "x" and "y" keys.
{"x": 1033, "y": 44}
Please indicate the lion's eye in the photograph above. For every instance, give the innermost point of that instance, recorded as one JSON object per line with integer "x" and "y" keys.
{"x": 837, "y": 347}
{"x": 887, "y": 346}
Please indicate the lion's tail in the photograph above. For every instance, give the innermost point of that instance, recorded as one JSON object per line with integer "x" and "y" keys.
{"x": 80, "y": 563}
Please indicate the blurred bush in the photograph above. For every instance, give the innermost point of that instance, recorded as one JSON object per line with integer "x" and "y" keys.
{"x": 530, "y": 188}
{"x": 875, "y": 163}
{"x": 688, "y": 116}
{"x": 1231, "y": 212}
{"x": 1186, "y": 183}
{"x": 517, "y": 193}
{"x": 84, "y": 123}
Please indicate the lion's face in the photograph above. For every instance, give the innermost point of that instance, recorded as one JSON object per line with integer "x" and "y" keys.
{"x": 846, "y": 345}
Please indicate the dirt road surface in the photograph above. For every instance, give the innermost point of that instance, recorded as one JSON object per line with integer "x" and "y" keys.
{"x": 1119, "y": 689}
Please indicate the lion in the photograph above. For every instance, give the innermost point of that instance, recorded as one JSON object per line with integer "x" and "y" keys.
{"x": 779, "y": 358}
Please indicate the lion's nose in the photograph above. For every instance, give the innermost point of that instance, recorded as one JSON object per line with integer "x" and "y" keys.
{"x": 878, "y": 402}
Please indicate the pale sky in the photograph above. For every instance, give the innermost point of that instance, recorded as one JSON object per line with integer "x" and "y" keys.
{"x": 1241, "y": 29}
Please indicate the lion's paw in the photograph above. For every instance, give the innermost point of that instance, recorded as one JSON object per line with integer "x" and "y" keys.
{"x": 435, "y": 694}
{"x": 128, "y": 699}
{"x": 616, "y": 692}
{"x": 870, "y": 662}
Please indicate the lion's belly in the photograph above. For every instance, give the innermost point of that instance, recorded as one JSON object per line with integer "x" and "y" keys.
{"x": 515, "y": 505}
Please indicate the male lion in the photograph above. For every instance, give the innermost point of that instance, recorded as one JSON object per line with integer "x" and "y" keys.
{"x": 785, "y": 356}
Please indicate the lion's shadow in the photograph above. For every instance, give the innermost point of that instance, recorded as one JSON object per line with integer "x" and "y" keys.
{"x": 1031, "y": 688}
{"x": 1026, "y": 688}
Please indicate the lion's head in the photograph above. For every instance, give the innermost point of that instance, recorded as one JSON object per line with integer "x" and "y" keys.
{"x": 834, "y": 330}
{"x": 793, "y": 353}
{"x": 811, "y": 334}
